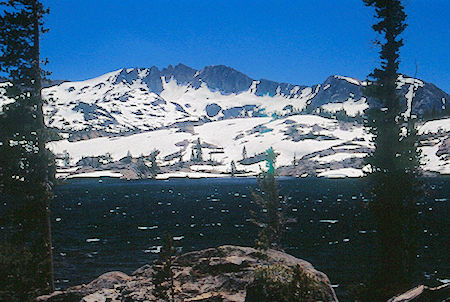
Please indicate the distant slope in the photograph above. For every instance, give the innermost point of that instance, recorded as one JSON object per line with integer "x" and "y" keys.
{"x": 319, "y": 146}
{"x": 141, "y": 99}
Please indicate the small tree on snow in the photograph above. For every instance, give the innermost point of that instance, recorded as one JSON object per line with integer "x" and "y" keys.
{"x": 153, "y": 164}
{"x": 199, "y": 153}
{"x": 180, "y": 159}
{"x": 108, "y": 158}
{"x": 233, "y": 168}
{"x": 66, "y": 159}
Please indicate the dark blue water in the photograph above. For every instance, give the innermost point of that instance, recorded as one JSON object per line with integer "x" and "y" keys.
{"x": 117, "y": 225}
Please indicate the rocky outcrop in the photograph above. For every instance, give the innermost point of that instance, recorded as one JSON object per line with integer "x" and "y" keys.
{"x": 444, "y": 149}
{"x": 215, "y": 274}
{"x": 424, "y": 293}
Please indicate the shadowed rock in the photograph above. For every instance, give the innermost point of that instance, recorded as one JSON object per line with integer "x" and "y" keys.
{"x": 215, "y": 274}
{"x": 424, "y": 293}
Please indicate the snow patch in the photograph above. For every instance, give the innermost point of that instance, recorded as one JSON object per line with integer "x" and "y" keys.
{"x": 96, "y": 174}
{"x": 441, "y": 125}
{"x": 351, "y": 107}
{"x": 339, "y": 157}
{"x": 348, "y": 79}
{"x": 342, "y": 173}
{"x": 414, "y": 84}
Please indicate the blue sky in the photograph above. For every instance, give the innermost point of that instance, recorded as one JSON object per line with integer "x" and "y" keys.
{"x": 300, "y": 42}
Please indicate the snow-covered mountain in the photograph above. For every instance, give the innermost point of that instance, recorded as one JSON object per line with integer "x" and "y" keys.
{"x": 118, "y": 124}
{"x": 141, "y": 99}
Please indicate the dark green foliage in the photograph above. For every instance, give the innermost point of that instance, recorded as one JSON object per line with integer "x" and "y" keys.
{"x": 358, "y": 292}
{"x": 270, "y": 161}
{"x": 284, "y": 284}
{"x": 180, "y": 159}
{"x": 340, "y": 115}
{"x": 198, "y": 155}
{"x": 26, "y": 166}
{"x": 233, "y": 168}
{"x": 394, "y": 162}
{"x": 127, "y": 159}
{"x": 435, "y": 113}
{"x": 163, "y": 277}
{"x": 154, "y": 168}
{"x": 15, "y": 264}
{"x": 52, "y": 135}
{"x": 270, "y": 217}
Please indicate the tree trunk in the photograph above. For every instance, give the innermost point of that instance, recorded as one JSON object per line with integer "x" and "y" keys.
{"x": 41, "y": 144}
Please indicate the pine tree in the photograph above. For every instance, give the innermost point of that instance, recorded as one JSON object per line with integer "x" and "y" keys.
{"x": 66, "y": 158}
{"x": 199, "y": 153}
{"x": 192, "y": 155}
{"x": 154, "y": 168}
{"x": 26, "y": 166}
{"x": 270, "y": 217}
{"x": 394, "y": 162}
{"x": 244, "y": 153}
{"x": 163, "y": 278}
{"x": 108, "y": 158}
{"x": 233, "y": 168}
{"x": 180, "y": 159}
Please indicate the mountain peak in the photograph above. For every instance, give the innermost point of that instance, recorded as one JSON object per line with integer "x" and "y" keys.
{"x": 225, "y": 79}
{"x": 181, "y": 73}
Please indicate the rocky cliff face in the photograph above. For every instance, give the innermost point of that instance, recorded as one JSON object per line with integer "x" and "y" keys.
{"x": 215, "y": 274}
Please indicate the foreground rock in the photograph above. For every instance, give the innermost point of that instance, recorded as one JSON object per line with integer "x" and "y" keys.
{"x": 215, "y": 274}
{"x": 425, "y": 294}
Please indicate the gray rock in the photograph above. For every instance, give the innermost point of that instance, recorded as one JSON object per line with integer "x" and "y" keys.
{"x": 339, "y": 90}
{"x": 181, "y": 73}
{"x": 212, "y": 109}
{"x": 424, "y": 293}
{"x": 215, "y": 274}
{"x": 222, "y": 78}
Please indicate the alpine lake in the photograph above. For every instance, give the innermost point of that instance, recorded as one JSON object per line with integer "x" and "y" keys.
{"x": 109, "y": 224}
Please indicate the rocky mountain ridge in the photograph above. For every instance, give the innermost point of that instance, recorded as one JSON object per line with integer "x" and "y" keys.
{"x": 177, "y": 111}
{"x": 142, "y": 99}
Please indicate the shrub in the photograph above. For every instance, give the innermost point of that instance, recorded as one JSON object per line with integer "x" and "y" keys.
{"x": 284, "y": 284}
